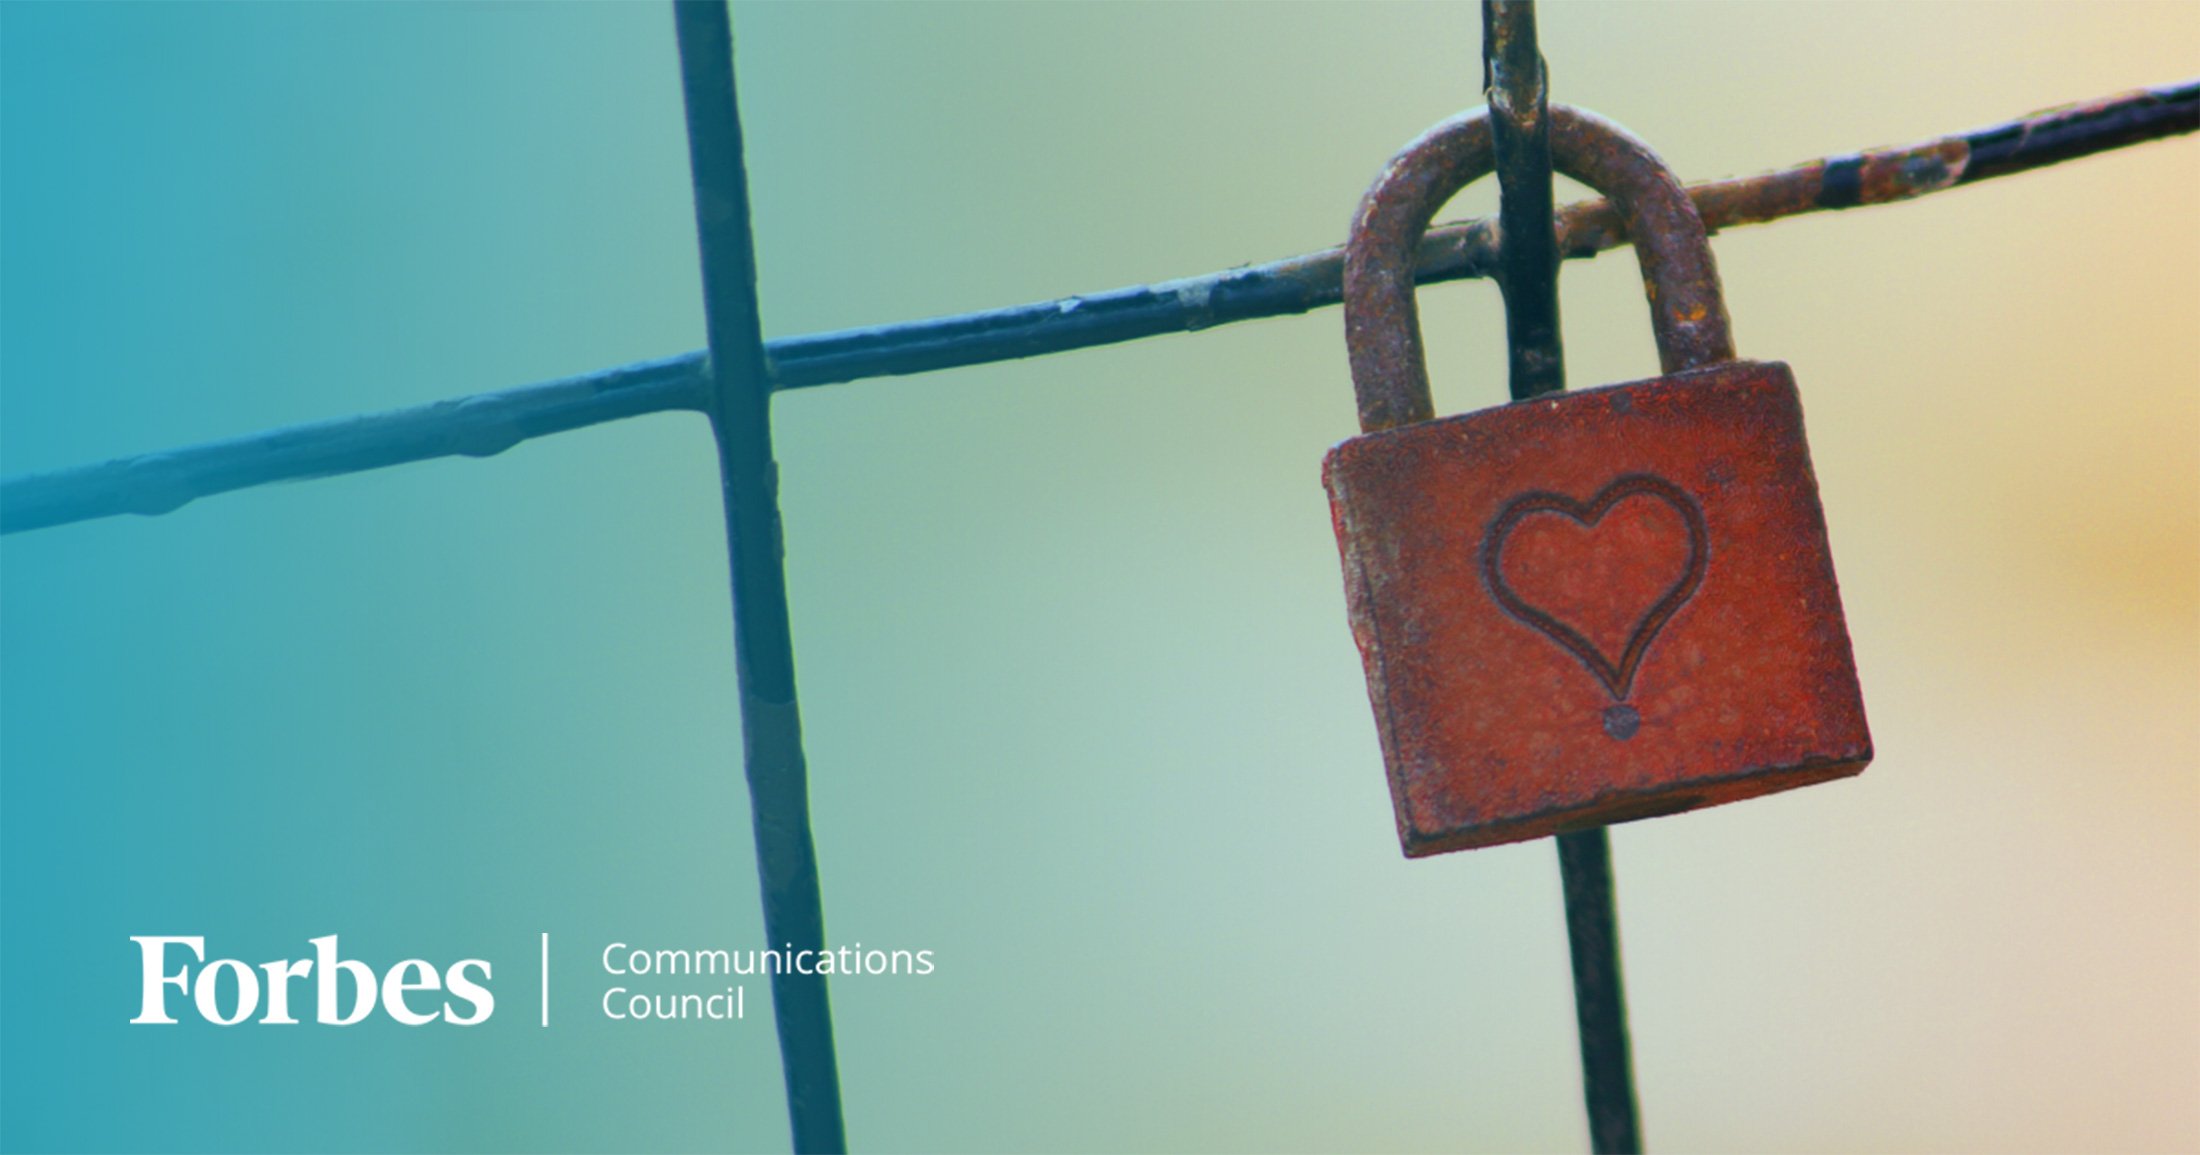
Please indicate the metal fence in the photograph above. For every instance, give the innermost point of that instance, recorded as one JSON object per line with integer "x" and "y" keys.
{"x": 732, "y": 382}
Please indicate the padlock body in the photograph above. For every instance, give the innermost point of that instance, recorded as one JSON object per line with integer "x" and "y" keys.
{"x": 1596, "y": 606}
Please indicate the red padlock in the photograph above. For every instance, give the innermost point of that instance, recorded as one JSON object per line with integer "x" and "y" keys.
{"x": 1590, "y": 607}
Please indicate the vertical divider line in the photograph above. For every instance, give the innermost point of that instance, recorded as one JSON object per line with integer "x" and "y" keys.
{"x": 739, "y": 407}
{"x": 1516, "y": 80}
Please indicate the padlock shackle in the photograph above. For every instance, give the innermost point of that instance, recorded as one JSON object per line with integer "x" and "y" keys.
{"x": 1381, "y": 322}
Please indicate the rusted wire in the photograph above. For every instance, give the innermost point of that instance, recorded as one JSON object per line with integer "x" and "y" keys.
{"x": 489, "y": 423}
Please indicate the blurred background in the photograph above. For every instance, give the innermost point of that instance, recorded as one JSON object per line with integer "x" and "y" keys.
{"x": 1084, "y": 716}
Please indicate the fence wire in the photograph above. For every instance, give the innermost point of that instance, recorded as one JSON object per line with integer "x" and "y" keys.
{"x": 489, "y": 423}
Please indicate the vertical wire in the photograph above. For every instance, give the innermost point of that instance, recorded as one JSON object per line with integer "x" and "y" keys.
{"x": 739, "y": 406}
{"x": 1600, "y": 995}
{"x": 1514, "y": 76}
{"x": 1520, "y": 130}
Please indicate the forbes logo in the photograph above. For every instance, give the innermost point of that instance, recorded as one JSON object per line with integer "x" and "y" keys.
{"x": 406, "y": 993}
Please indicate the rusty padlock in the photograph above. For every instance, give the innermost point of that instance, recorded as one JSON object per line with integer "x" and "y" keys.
{"x": 1589, "y": 607}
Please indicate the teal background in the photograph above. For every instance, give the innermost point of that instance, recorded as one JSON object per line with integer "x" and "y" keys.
{"x": 1083, "y": 714}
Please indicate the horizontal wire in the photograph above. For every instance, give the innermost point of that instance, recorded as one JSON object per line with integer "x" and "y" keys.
{"x": 489, "y": 423}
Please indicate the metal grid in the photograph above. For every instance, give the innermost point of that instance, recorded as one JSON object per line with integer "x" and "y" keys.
{"x": 732, "y": 381}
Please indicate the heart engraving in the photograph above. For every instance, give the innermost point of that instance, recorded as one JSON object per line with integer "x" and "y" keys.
{"x": 1617, "y": 674}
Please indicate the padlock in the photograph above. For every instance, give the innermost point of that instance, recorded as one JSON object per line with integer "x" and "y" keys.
{"x": 1589, "y": 607}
